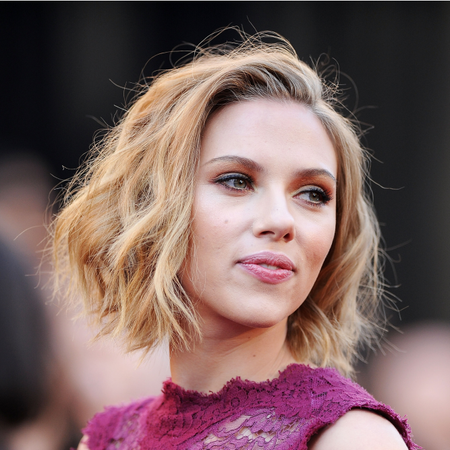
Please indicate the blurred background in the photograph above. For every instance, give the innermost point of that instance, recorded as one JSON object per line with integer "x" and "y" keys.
{"x": 64, "y": 69}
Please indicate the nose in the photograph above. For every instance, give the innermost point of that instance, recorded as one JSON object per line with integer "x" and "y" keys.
{"x": 273, "y": 218}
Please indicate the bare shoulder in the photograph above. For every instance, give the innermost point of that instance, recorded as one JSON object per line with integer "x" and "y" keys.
{"x": 359, "y": 429}
{"x": 83, "y": 444}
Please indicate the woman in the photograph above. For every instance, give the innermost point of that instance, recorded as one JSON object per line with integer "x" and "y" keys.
{"x": 226, "y": 213}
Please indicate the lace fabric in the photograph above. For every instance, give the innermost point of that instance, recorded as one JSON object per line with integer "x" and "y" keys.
{"x": 283, "y": 413}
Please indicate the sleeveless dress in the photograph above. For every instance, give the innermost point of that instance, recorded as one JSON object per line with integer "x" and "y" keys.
{"x": 283, "y": 413}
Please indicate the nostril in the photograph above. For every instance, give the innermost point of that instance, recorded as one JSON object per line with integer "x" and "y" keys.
{"x": 287, "y": 237}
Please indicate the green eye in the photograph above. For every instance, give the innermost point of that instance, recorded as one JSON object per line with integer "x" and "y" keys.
{"x": 235, "y": 182}
{"x": 315, "y": 197}
{"x": 238, "y": 183}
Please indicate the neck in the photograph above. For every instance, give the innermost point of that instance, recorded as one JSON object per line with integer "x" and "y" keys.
{"x": 252, "y": 354}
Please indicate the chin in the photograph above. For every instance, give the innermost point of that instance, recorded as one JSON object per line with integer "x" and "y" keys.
{"x": 266, "y": 320}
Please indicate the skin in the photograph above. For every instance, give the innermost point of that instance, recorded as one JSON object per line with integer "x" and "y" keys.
{"x": 266, "y": 182}
{"x": 359, "y": 430}
{"x": 250, "y": 199}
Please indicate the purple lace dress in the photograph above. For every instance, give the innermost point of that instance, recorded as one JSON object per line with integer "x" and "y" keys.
{"x": 280, "y": 414}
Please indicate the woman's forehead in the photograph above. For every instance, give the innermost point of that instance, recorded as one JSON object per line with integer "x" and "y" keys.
{"x": 265, "y": 131}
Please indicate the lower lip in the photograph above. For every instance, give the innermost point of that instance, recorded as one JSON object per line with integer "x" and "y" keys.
{"x": 267, "y": 275}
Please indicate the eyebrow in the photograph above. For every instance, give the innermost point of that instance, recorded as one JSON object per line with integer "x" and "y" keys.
{"x": 254, "y": 166}
{"x": 311, "y": 173}
{"x": 246, "y": 162}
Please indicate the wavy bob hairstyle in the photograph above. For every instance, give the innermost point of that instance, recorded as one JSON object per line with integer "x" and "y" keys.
{"x": 125, "y": 229}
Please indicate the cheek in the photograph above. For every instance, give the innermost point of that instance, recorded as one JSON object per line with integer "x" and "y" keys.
{"x": 209, "y": 233}
{"x": 216, "y": 224}
{"x": 318, "y": 243}
{"x": 209, "y": 239}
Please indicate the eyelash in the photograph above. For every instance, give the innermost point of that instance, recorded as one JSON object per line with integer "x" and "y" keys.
{"x": 324, "y": 194}
{"x": 234, "y": 176}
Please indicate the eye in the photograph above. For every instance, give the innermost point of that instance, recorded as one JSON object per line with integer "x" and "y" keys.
{"x": 235, "y": 181}
{"x": 314, "y": 195}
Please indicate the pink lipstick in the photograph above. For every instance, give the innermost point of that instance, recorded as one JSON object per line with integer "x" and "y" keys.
{"x": 271, "y": 268}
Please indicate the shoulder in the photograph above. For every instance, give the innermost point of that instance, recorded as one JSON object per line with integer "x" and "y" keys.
{"x": 342, "y": 409}
{"x": 359, "y": 429}
{"x": 118, "y": 424}
{"x": 82, "y": 445}
{"x": 334, "y": 394}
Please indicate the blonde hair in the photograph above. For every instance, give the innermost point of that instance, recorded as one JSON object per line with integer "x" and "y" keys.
{"x": 125, "y": 229}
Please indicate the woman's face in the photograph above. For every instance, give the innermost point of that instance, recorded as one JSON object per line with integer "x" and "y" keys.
{"x": 264, "y": 213}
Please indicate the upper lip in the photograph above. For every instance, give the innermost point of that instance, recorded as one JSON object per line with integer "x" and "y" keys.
{"x": 269, "y": 258}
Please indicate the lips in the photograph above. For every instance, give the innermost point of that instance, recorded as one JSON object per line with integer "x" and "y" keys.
{"x": 268, "y": 267}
